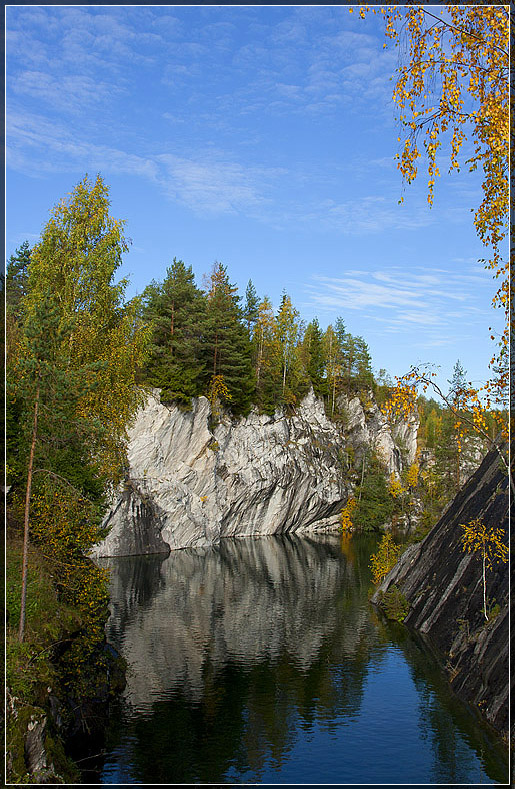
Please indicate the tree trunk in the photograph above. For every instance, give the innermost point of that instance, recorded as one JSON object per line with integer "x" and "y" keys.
{"x": 259, "y": 360}
{"x": 25, "y": 562}
{"x": 362, "y": 477}
{"x": 172, "y": 329}
{"x": 484, "y": 584}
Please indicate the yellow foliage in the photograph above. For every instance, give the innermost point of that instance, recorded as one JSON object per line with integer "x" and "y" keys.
{"x": 478, "y": 538}
{"x": 453, "y": 86}
{"x": 382, "y": 562}
{"x": 346, "y": 514}
{"x": 469, "y": 416}
{"x": 395, "y": 488}
{"x": 412, "y": 475}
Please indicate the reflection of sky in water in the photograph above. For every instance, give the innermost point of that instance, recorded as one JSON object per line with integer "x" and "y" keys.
{"x": 261, "y": 661}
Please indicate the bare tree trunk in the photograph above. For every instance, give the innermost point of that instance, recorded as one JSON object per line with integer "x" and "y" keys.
{"x": 484, "y": 584}
{"x": 259, "y": 358}
{"x": 362, "y": 477}
{"x": 172, "y": 328}
{"x": 25, "y": 562}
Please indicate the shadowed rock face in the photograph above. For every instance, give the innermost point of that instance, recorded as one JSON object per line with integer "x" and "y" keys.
{"x": 260, "y": 475}
{"x": 444, "y": 587}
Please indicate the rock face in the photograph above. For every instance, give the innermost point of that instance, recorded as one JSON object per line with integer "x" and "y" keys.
{"x": 190, "y": 486}
{"x": 367, "y": 429}
{"x": 444, "y": 588}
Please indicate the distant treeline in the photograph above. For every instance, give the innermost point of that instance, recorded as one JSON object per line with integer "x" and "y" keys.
{"x": 206, "y": 342}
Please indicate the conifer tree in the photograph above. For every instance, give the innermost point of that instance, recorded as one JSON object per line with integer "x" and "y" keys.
{"x": 176, "y": 310}
{"x": 364, "y": 377}
{"x": 250, "y": 310}
{"x": 227, "y": 346}
{"x": 333, "y": 364}
{"x": 314, "y": 357}
{"x": 288, "y": 333}
{"x": 16, "y": 280}
{"x": 267, "y": 365}
{"x": 452, "y": 450}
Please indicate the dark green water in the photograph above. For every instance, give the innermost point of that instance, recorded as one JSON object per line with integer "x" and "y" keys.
{"x": 261, "y": 661}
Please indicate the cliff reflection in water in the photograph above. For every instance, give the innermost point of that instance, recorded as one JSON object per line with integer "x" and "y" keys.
{"x": 244, "y": 602}
{"x": 237, "y": 652}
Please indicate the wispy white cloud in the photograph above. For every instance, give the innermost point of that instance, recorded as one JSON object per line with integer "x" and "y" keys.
{"x": 213, "y": 184}
{"x": 369, "y": 214}
{"x": 71, "y": 93}
{"x": 37, "y": 144}
{"x": 402, "y": 300}
{"x": 208, "y": 183}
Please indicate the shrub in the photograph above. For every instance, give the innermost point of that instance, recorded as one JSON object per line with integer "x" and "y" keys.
{"x": 394, "y": 604}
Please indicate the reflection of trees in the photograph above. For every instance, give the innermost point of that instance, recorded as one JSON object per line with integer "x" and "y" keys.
{"x": 239, "y": 644}
{"x": 134, "y": 583}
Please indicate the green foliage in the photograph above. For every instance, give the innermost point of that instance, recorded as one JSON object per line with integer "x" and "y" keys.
{"x": 61, "y": 651}
{"x": 265, "y": 359}
{"x": 251, "y": 308}
{"x": 226, "y": 349}
{"x": 78, "y": 340}
{"x": 375, "y": 504}
{"x": 176, "y": 312}
{"x": 394, "y": 604}
{"x": 74, "y": 348}
{"x": 314, "y": 357}
{"x": 287, "y": 336}
{"x": 16, "y": 280}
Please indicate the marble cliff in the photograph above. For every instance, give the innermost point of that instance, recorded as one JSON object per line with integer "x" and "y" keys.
{"x": 189, "y": 484}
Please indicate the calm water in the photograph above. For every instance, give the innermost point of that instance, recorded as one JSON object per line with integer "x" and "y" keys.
{"x": 261, "y": 661}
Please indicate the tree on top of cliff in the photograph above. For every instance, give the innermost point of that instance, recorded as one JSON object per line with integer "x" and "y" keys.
{"x": 250, "y": 310}
{"x": 267, "y": 368}
{"x": 314, "y": 357}
{"x": 288, "y": 334}
{"x": 175, "y": 309}
{"x": 227, "y": 349}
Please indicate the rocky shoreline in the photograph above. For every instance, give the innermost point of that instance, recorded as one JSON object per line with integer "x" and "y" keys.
{"x": 443, "y": 587}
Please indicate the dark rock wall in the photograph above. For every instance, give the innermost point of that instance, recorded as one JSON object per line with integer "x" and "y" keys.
{"x": 444, "y": 588}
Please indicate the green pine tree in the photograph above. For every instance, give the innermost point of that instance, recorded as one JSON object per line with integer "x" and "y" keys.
{"x": 251, "y": 308}
{"x": 16, "y": 280}
{"x": 176, "y": 310}
{"x": 227, "y": 349}
{"x": 266, "y": 361}
{"x": 288, "y": 337}
{"x": 315, "y": 358}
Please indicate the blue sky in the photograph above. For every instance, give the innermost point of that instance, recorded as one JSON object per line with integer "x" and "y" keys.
{"x": 262, "y": 137}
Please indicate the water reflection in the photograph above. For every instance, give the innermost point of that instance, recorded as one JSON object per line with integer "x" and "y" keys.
{"x": 259, "y": 661}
